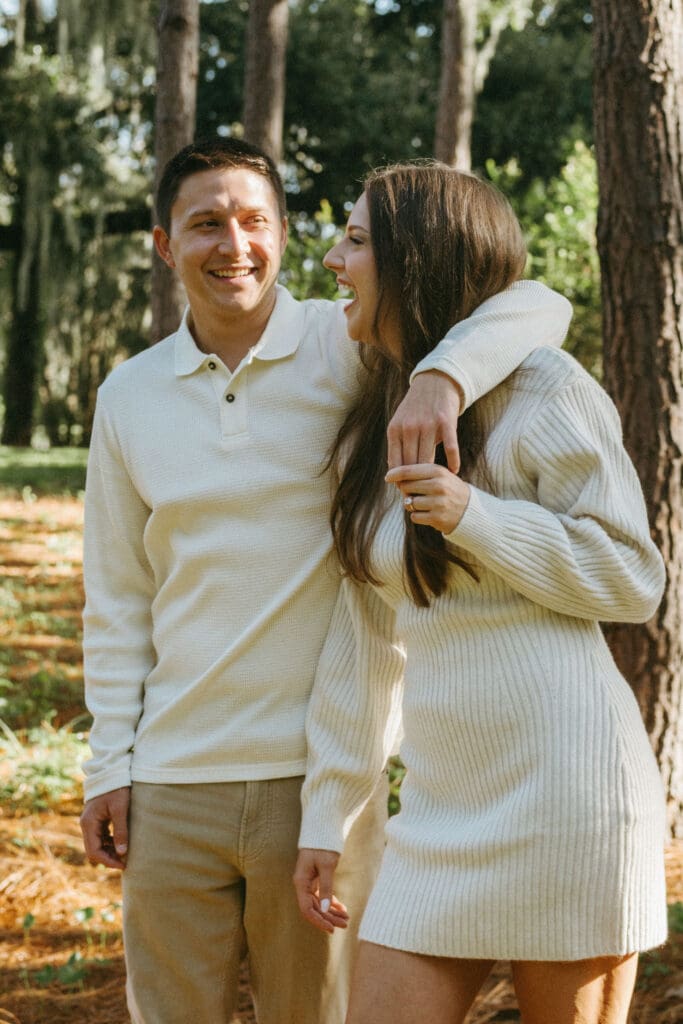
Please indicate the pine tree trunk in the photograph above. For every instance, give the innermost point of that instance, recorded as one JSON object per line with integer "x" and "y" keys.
{"x": 265, "y": 72}
{"x": 24, "y": 342}
{"x": 176, "y": 105}
{"x": 455, "y": 109}
{"x": 639, "y": 145}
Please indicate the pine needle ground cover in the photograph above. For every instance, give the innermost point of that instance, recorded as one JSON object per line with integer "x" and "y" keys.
{"x": 61, "y": 955}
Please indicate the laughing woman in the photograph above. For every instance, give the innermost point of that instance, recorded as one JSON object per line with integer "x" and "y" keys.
{"x": 532, "y": 818}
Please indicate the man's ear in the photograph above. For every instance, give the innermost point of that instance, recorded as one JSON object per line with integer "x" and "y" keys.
{"x": 283, "y": 243}
{"x": 162, "y": 244}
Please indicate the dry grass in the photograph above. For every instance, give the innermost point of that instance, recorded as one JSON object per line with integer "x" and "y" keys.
{"x": 61, "y": 955}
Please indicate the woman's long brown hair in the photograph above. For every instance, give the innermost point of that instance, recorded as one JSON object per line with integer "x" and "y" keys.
{"x": 443, "y": 242}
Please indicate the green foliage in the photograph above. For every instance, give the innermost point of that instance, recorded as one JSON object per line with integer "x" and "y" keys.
{"x": 55, "y": 471}
{"x": 309, "y": 239}
{"x": 41, "y": 770}
{"x": 536, "y": 102}
{"x": 71, "y": 974}
{"x": 42, "y": 696}
{"x": 396, "y": 775}
{"x": 676, "y": 918}
{"x": 559, "y": 219}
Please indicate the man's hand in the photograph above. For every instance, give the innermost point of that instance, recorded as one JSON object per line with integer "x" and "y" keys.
{"x": 427, "y": 416}
{"x": 104, "y": 824}
{"x": 313, "y": 878}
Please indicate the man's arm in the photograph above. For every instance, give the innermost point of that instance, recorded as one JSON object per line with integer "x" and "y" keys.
{"x": 476, "y": 355}
{"x": 117, "y": 640}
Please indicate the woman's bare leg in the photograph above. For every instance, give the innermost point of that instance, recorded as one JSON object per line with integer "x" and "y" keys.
{"x": 594, "y": 991}
{"x": 391, "y": 986}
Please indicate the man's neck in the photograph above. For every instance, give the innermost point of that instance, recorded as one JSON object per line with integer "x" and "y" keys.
{"x": 229, "y": 339}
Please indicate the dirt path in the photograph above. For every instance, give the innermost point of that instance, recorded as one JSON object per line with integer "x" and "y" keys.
{"x": 61, "y": 956}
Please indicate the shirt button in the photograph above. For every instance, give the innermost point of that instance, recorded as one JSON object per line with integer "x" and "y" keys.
{"x": 230, "y": 398}
{"x": 212, "y": 366}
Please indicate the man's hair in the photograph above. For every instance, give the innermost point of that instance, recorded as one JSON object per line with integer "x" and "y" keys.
{"x": 207, "y": 154}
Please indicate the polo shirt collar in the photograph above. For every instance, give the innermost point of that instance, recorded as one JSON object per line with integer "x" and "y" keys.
{"x": 281, "y": 337}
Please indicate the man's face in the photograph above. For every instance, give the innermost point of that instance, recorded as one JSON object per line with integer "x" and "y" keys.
{"x": 226, "y": 243}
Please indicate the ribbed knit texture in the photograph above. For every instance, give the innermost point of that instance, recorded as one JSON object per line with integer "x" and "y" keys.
{"x": 206, "y": 554}
{"x": 532, "y": 821}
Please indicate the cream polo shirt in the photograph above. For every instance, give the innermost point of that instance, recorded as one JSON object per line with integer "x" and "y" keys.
{"x": 209, "y": 587}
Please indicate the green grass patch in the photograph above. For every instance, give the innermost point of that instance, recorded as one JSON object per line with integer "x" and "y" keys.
{"x": 27, "y": 472}
{"x": 41, "y": 769}
{"x": 45, "y": 695}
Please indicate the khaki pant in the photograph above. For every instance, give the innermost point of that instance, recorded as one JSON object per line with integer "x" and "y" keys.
{"x": 209, "y": 876}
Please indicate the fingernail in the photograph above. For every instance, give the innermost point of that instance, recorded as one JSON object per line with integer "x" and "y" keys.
{"x": 324, "y": 906}
{"x": 121, "y": 848}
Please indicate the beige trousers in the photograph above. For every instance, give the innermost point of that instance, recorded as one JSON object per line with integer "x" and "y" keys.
{"x": 208, "y": 878}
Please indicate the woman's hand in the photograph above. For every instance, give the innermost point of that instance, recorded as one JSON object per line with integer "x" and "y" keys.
{"x": 432, "y": 495}
{"x": 313, "y": 878}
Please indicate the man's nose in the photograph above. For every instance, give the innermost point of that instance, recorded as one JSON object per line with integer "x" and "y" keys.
{"x": 234, "y": 239}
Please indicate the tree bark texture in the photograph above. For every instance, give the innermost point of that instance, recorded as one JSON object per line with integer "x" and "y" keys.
{"x": 24, "y": 341}
{"x": 175, "y": 115}
{"x": 457, "y": 90}
{"x": 638, "y": 102}
{"x": 264, "y": 78}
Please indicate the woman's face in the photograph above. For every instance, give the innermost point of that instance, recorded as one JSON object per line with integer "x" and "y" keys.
{"x": 353, "y": 261}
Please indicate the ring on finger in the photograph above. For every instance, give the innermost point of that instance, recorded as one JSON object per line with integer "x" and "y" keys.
{"x": 408, "y": 504}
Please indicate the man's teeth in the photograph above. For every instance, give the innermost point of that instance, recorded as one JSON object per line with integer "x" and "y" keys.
{"x": 232, "y": 273}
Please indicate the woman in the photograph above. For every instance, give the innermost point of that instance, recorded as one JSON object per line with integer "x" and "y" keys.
{"x": 532, "y": 818}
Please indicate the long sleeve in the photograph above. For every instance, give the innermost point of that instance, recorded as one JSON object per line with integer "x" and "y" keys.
{"x": 582, "y": 547}
{"x": 481, "y": 351}
{"x": 353, "y": 717}
{"x": 118, "y": 649}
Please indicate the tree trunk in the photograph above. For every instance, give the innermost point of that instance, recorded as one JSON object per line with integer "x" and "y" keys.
{"x": 639, "y": 144}
{"x": 176, "y": 105}
{"x": 456, "y": 102}
{"x": 264, "y": 78}
{"x": 24, "y": 342}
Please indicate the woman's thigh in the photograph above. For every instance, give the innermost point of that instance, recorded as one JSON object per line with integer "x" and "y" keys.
{"x": 596, "y": 991}
{"x": 391, "y": 986}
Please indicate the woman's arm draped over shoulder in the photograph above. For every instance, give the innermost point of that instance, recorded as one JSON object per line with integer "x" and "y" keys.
{"x": 353, "y": 717}
{"x": 585, "y": 548}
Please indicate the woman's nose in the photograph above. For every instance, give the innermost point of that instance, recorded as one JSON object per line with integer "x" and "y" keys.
{"x": 331, "y": 259}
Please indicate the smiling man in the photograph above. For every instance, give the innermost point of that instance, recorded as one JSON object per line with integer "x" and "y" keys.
{"x": 210, "y": 588}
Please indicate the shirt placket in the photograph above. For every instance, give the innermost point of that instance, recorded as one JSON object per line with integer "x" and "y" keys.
{"x": 232, "y": 395}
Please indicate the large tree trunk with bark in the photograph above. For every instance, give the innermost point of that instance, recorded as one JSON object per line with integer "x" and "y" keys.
{"x": 175, "y": 116}
{"x": 639, "y": 145}
{"x": 264, "y": 79}
{"x": 457, "y": 88}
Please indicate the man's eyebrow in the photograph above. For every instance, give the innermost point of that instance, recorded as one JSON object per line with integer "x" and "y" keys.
{"x": 217, "y": 211}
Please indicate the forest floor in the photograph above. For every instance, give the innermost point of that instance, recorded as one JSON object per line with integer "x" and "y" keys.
{"x": 61, "y": 956}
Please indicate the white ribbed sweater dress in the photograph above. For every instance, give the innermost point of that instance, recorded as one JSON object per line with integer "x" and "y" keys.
{"x": 532, "y": 820}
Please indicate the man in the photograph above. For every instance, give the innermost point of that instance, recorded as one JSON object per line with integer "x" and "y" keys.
{"x": 210, "y": 589}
